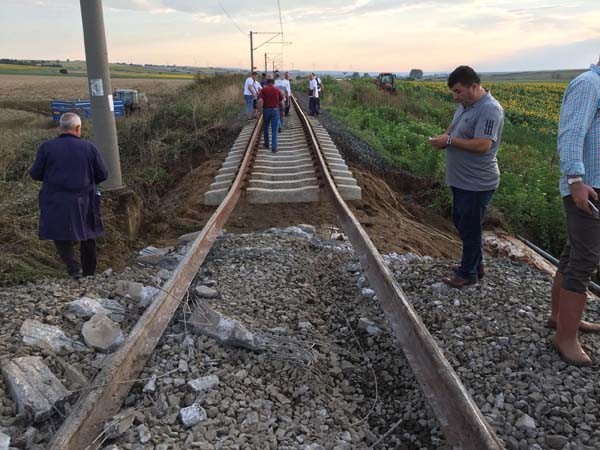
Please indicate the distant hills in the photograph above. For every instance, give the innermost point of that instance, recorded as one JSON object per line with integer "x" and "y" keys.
{"x": 128, "y": 70}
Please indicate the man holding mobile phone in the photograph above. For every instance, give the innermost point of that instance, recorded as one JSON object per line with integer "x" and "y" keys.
{"x": 579, "y": 152}
{"x": 471, "y": 143}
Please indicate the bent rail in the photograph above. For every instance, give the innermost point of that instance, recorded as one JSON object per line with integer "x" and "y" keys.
{"x": 461, "y": 421}
{"x": 113, "y": 383}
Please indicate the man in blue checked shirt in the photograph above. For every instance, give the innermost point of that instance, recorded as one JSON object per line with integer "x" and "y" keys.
{"x": 579, "y": 152}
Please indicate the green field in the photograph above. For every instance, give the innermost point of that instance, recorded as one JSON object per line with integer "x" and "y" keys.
{"x": 77, "y": 69}
{"x": 528, "y": 200}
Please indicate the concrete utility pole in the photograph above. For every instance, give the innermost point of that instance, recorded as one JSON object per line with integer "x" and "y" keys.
{"x": 96, "y": 58}
{"x": 251, "y": 54}
{"x": 266, "y": 68}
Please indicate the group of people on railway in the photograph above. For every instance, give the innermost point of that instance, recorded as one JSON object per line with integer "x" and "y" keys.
{"x": 71, "y": 168}
{"x": 270, "y": 98}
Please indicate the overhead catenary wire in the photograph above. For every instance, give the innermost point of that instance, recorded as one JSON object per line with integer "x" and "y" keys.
{"x": 231, "y": 18}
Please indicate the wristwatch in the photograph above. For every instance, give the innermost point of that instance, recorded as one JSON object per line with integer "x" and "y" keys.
{"x": 574, "y": 179}
{"x": 449, "y": 140}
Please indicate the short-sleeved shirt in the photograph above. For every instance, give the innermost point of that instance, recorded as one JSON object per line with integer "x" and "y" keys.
{"x": 474, "y": 171}
{"x": 249, "y": 82}
{"x": 279, "y": 84}
{"x": 314, "y": 88}
{"x": 271, "y": 96}
{"x": 287, "y": 86}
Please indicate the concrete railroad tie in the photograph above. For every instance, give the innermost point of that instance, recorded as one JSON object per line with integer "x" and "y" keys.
{"x": 287, "y": 176}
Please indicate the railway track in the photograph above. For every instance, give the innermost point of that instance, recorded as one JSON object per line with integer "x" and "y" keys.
{"x": 307, "y": 168}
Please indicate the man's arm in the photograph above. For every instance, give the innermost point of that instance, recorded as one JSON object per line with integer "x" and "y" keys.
{"x": 577, "y": 112}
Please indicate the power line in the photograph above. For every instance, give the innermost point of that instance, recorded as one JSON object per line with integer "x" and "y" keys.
{"x": 230, "y": 18}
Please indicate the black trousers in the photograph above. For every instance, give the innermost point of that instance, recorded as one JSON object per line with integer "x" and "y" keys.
{"x": 87, "y": 253}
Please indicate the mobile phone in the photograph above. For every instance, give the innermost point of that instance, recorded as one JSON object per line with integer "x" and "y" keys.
{"x": 595, "y": 211}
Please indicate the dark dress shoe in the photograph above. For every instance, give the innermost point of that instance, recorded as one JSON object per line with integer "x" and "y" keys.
{"x": 480, "y": 270}
{"x": 458, "y": 282}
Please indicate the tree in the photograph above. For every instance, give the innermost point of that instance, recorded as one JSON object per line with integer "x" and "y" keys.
{"x": 415, "y": 74}
{"x": 356, "y": 75}
{"x": 63, "y": 71}
{"x": 366, "y": 75}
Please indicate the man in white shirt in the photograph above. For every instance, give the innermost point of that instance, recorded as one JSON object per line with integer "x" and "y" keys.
{"x": 250, "y": 93}
{"x": 288, "y": 86}
{"x": 313, "y": 96}
{"x": 257, "y": 88}
{"x": 280, "y": 84}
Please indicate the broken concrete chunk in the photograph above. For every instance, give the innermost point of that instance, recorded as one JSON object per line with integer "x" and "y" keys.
{"x": 153, "y": 255}
{"x": 4, "y": 441}
{"x": 144, "y": 433}
{"x": 206, "y": 292}
{"x": 310, "y": 229}
{"x": 102, "y": 333}
{"x": 119, "y": 424}
{"x": 192, "y": 415}
{"x": 147, "y": 296}
{"x": 86, "y": 307}
{"x": 368, "y": 327}
{"x": 34, "y": 388}
{"x": 75, "y": 378}
{"x": 204, "y": 383}
{"x": 131, "y": 288}
{"x": 116, "y": 311}
{"x": 225, "y": 330}
{"x": 47, "y": 337}
{"x": 150, "y": 386}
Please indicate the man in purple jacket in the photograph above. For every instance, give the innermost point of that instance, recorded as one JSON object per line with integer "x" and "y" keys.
{"x": 70, "y": 168}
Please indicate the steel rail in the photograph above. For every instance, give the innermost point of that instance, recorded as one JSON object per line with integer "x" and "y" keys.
{"x": 461, "y": 421}
{"x": 110, "y": 387}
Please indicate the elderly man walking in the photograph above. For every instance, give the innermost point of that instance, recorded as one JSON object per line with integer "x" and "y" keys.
{"x": 579, "y": 152}
{"x": 70, "y": 168}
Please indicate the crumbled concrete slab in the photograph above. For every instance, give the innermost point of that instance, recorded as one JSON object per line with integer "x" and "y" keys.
{"x": 33, "y": 387}
{"x": 47, "y": 337}
{"x": 204, "y": 383}
{"x": 192, "y": 415}
{"x": 102, "y": 333}
{"x": 4, "y": 441}
{"x": 225, "y": 330}
{"x": 206, "y": 292}
{"x": 119, "y": 424}
{"x": 147, "y": 296}
{"x": 86, "y": 307}
{"x": 75, "y": 378}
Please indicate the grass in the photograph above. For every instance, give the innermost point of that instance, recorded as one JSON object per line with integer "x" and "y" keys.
{"x": 527, "y": 201}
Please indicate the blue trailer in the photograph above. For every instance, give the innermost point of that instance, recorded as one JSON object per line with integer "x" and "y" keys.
{"x": 81, "y": 107}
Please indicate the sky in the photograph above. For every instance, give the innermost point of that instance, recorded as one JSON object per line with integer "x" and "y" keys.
{"x": 344, "y": 35}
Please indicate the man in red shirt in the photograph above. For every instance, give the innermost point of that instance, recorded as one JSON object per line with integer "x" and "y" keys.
{"x": 270, "y": 102}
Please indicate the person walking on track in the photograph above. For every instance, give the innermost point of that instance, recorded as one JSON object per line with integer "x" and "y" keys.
{"x": 250, "y": 94}
{"x": 270, "y": 102}
{"x": 313, "y": 96}
{"x": 471, "y": 143}
{"x": 70, "y": 168}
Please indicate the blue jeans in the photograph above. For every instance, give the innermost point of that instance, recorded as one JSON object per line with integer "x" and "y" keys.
{"x": 249, "y": 103}
{"x": 270, "y": 116}
{"x": 468, "y": 209}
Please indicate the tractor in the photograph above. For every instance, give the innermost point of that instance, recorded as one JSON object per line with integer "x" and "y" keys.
{"x": 132, "y": 99}
{"x": 386, "y": 82}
